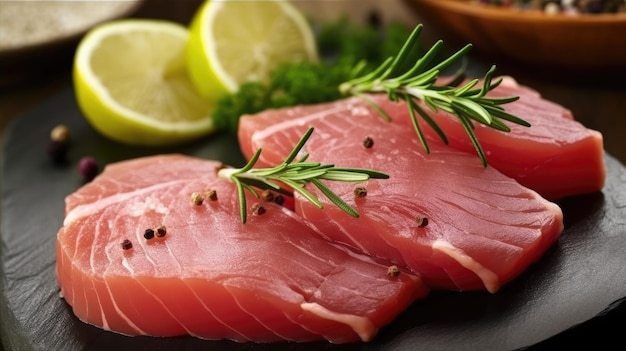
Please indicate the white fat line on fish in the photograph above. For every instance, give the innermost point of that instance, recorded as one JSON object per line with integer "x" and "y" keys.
{"x": 127, "y": 265}
{"x": 119, "y": 311}
{"x": 255, "y": 317}
{"x": 369, "y": 259}
{"x": 92, "y": 252}
{"x": 360, "y": 256}
{"x": 362, "y": 326}
{"x": 86, "y": 298}
{"x": 201, "y": 301}
{"x": 343, "y": 230}
{"x": 289, "y": 123}
{"x": 169, "y": 250}
{"x": 90, "y": 208}
{"x": 92, "y": 264}
{"x": 553, "y": 207}
{"x": 169, "y": 312}
{"x": 63, "y": 294}
{"x": 488, "y": 277}
{"x": 105, "y": 322}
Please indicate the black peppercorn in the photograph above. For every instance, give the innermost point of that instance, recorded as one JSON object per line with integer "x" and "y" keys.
{"x": 368, "y": 142}
{"x": 161, "y": 231}
{"x": 421, "y": 221}
{"x": 148, "y": 234}
{"x": 279, "y": 200}
{"x": 211, "y": 195}
{"x": 127, "y": 245}
{"x": 258, "y": 209}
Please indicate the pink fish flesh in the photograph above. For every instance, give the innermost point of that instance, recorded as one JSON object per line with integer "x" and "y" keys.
{"x": 557, "y": 156}
{"x": 211, "y": 276}
{"x": 483, "y": 230}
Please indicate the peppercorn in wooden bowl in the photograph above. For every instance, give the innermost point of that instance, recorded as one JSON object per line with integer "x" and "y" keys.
{"x": 574, "y": 41}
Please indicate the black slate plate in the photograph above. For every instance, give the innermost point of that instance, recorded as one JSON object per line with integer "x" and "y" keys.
{"x": 580, "y": 284}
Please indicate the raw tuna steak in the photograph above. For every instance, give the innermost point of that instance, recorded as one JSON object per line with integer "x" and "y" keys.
{"x": 457, "y": 224}
{"x": 530, "y": 99}
{"x": 210, "y": 275}
{"x": 557, "y": 156}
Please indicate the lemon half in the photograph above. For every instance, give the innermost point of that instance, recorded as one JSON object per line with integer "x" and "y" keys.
{"x": 233, "y": 41}
{"x": 132, "y": 84}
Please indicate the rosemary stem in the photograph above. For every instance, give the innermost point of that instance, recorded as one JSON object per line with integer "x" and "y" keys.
{"x": 294, "y": 174}
{"x": 419, "y": 82}
{"x": 247, "y": 177}
{"x": 226, "y": 173}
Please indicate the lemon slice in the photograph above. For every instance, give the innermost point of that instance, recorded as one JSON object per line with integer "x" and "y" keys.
{"x": 132, "y": 84}
{"x": 233, "y": 41}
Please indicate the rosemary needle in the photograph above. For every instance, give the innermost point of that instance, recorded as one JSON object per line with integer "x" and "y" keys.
{"x": 295, "y": 174}
{"x": 468, "y": 103}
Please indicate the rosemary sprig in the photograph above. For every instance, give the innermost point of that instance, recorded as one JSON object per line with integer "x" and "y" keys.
{"x": 295, "y": 174}
{"x": 418, "y": 82}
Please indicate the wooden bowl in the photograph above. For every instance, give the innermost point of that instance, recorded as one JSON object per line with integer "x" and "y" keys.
{"x": 590, "y": 42}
